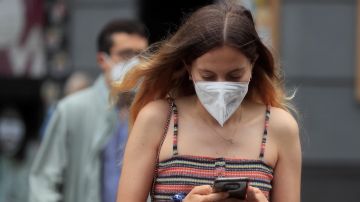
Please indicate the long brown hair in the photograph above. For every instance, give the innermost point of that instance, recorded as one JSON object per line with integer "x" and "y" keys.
{"x": 164, "y": 73}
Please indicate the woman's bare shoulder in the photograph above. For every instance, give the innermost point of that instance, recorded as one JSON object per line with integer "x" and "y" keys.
{"x": 150, "y": 122}
{"x": 186, "y": 102}
{"x": 154, "y": 111}
{"x": 283, "y": 125}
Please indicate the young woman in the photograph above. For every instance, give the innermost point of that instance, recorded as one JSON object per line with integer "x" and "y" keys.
{"x": 210, "y": 104}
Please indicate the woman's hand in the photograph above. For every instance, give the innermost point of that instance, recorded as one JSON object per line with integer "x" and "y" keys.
{"x": 255, "y": 195}
{"x": 205, "y": 193}
{"x": 252, "y": 195}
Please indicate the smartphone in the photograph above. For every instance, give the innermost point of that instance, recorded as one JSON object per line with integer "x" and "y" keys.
{"x": 236, "y": 186}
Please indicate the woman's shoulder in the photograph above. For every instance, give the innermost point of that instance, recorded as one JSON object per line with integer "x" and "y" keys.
{"x": 158, "y": 111}
{"x": 186, "y": 102}
{"x": 283, "y": 125}
{"x": 150, "y": 123}
{"x": 154, "y": 112}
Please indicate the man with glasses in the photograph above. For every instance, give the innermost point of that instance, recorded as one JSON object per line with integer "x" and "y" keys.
{"x": 80, "y": 157}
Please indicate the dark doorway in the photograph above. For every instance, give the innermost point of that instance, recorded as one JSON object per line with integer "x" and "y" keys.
{"x": 162, "y": 17}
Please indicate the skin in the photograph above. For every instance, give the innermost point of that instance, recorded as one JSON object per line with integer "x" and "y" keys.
{"x": 197, "y": 136}
{"x": 124, "y": 46}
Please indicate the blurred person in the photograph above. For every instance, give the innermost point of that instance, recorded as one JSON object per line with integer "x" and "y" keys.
{"x": 12, "y": 132}
{"x": 211, "y": 104}
{"x": 50, "y": 92}
{"x": 80, "y": 157}
{"x": 15, "y": 156}
{"x": 76, "y": 82}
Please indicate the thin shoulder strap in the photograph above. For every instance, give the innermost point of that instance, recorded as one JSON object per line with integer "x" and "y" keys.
{"x": 176, "y": 126}
{"x": 171, "y": 103}
{"x": 265, "y": 134}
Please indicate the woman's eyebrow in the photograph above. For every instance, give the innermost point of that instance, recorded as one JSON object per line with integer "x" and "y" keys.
{"x": 238, "y": 69}
{"x": 234, "y": 70}
{"x": 205, "y": 71}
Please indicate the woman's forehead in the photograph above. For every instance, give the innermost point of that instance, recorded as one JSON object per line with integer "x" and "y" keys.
{"x": 222, "y": 57}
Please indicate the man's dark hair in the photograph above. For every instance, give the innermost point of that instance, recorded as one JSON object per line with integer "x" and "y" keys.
{"x": 104, "y": 40}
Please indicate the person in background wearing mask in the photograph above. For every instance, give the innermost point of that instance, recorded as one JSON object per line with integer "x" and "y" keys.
{"x": 211, "y": 104}
{"x": 80, "y": 156}
{"x": 16, "y": 153}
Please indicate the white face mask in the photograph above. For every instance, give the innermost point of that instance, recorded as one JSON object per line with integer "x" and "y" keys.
{"x": 119, "y": 70}
{"x": 12, "y": 132}
{"x": 221, "y": 99}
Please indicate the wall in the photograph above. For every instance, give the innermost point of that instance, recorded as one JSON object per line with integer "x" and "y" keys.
{"x": 318, "y": 57}
{"x": 87, "y": 18}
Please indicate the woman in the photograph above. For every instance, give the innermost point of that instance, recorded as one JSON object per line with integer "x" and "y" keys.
{"x": 210, "y": 104}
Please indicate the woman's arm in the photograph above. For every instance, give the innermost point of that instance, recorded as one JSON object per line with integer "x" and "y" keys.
{"x": 140, "y": 158}
{"x": 287, "y": 176}
{"x": 140, "y": 153}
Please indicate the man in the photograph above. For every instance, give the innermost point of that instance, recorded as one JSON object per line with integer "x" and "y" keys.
{"x": 79, "y": 159}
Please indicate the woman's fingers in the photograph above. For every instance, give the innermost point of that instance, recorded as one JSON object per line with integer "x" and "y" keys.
{"x": 215, "y": 197}
{"x": 205, "y": 193}
{"x": 232, "y": 200}
{"x": 255, "y": 195}
{"x": 202, "y": 190}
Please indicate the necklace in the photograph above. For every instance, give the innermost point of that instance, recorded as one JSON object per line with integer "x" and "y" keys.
{"x": 230, "y": 140}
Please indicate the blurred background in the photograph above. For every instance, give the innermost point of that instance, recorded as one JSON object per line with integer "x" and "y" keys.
{"x": 47, "y": 44}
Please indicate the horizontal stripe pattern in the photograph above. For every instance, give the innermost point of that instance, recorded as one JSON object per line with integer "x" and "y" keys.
{"x": 181, "y": 173}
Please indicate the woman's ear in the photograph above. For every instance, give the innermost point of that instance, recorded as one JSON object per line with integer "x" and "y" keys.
{"x": 254, "y": 60}
{"x": 189, "y": 73}
{"x": 188, "y": 70}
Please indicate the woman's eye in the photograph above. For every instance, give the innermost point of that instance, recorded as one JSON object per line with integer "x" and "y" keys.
{"x": 208, "y": 77}
{"x": 234, "y": 77}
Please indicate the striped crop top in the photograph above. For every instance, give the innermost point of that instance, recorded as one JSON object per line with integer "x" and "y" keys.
{"x": 181, "y": 173}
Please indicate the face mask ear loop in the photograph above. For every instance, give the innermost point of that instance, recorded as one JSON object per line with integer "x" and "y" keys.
{"x": 188, "y": 69}
{"x": 191, "y": 78}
